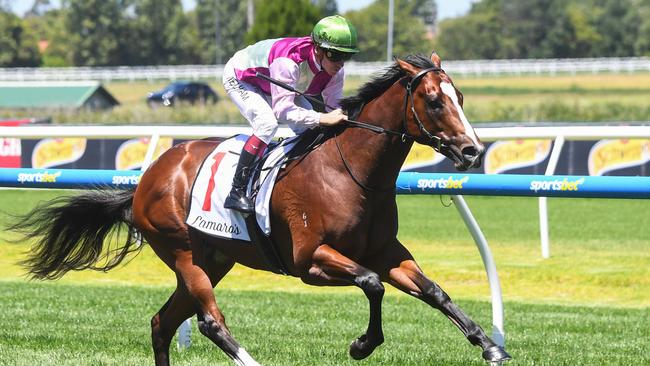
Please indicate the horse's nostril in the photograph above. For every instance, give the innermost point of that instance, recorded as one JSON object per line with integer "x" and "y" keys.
{"x": 469, "y": 152}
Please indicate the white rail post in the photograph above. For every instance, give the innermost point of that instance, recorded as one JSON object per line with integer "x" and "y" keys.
{"x": 498, "y": 333}
{"x": 151, "y": 150}
{"x": 543, "y": 207}
{"x": 184, "y": 339}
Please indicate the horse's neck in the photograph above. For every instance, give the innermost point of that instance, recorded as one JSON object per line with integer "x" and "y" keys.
{"x": 375, "y": 159}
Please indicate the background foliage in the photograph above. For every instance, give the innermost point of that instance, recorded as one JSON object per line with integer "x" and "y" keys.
{"x": 153, "y": 32}
{"x": 275, "y": 19}
{"x": 548, "y": 29}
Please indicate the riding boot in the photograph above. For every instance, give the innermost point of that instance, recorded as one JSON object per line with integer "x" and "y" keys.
{"x": 238, "y": 200}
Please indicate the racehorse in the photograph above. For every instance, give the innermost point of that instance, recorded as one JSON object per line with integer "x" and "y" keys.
{"x": 334, "y": 215}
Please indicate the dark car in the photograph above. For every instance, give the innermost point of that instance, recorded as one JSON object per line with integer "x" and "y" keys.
{"x": 182, "y": 91}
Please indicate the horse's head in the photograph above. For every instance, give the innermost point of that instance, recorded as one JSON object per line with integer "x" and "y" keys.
{"x": 434, "y": 114}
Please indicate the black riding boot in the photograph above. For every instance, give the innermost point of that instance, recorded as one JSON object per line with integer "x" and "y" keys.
{"x": 238, "y": 200}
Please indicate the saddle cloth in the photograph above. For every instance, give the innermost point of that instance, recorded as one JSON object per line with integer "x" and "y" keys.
{"x": 213, "y": 184}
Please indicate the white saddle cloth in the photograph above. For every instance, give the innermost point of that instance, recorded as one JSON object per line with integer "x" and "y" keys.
{"x": 213, "y": 184}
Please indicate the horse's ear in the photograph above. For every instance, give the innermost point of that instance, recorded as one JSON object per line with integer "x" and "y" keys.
{"x": 435, "y": 59}
{"x": 407, "y": 67}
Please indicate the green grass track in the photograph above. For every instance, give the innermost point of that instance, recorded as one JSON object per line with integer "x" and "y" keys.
{"x": 50, "y": 324}
{"x": 589, "y": 304}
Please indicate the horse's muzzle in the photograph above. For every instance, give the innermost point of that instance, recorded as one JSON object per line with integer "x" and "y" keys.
{"x": 466, "y": 156}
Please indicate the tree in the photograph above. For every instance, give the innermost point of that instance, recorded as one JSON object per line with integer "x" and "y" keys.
{"x": 49, "y": 28}
{"x": 475, "y": 36}
{"x": 572, "y": 33}
{"x": 221, "y": 30}
{"x": 618, "y": 23}
{"x": 18, "y": 43}
{"x": 163, "y": 33}
{"x": 283, "y": 18}
{"x": 549, "y": 28}
{"x": 409, "y": 32}
{"x": 642, "y": 43}
{"x": 326, "y": 7}
{"x": 427, "y": 10}
{"x": 98, "y": 32}
{"x": 39, "y": 7}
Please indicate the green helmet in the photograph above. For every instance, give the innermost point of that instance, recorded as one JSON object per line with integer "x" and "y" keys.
{"x": 335, "y": 33}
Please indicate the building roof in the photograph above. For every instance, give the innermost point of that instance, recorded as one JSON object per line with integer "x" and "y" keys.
{"x": 55, "y": 95}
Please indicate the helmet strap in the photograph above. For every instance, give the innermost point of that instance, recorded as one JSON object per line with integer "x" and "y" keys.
{"x": 320, "y": 54}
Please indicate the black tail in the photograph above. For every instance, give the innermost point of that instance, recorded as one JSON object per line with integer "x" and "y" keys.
{"x": 72, "y": 230}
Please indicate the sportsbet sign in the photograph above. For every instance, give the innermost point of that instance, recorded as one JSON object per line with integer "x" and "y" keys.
{"x": 625, "y": 157}
{"x": 78, "y": 153}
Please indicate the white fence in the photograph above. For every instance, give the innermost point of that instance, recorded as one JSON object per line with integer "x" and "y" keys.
{"x": 454, "y": 68}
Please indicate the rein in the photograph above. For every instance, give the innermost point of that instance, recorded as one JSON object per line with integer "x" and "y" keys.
{"x": 412, "y": 85}
{"x": 354, "y": 178}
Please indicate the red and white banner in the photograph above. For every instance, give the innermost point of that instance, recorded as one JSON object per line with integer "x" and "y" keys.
{"x": 9, "y": 152}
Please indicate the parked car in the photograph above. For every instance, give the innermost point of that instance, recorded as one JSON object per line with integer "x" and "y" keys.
{"x": 182, "y": 91}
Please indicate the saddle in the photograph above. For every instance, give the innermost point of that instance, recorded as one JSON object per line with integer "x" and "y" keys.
{"x": 212, "y": 185}
{"x": 304, "y": 144}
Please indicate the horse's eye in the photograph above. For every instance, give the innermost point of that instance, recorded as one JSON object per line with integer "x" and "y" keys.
{"x": 435, "y": 103}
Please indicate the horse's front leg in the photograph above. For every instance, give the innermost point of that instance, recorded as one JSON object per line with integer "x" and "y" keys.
{"x": 329, "y": 267}
{"x": 397, "y": 266}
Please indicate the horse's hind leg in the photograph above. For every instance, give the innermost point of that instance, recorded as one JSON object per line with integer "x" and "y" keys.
{"x": 397, "y": 266}
{"x": 196, "y": 278}
{"x": 199, "y": 277}
{"x": 180, "y": 306}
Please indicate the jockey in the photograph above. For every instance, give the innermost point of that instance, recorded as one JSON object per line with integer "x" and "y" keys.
{"x": 313, "y": 64}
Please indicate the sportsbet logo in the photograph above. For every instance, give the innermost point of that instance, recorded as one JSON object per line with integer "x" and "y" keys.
{"x": 556, "y": 185}
{"x": 45, "y": 177}
{"x": 126, "y": 179}
{"x": 443, "y": 183}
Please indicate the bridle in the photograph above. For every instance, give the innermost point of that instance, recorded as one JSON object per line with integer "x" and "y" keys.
{"x": 437, "y": 145}
{"x": 412, "y": 85}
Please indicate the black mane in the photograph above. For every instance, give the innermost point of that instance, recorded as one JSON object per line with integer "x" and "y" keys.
{"x": 379, "y": 84}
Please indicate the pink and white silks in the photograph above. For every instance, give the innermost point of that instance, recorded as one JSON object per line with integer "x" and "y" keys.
{"x": 264, "y": 105}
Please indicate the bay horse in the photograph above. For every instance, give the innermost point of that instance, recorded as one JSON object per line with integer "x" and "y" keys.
{"x": 334, "y": 215}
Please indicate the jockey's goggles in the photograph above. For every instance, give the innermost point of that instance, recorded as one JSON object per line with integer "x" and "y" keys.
{"x": 336, "y": 56}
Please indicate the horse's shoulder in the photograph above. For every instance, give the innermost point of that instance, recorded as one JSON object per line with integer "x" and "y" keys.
{"x": 198, "y": 146}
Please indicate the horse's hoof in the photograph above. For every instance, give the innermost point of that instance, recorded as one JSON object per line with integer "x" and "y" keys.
{"x": 496, "y": 354}
{"x": 362, "y": 348}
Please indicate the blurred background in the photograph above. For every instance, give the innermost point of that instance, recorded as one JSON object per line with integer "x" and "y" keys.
{"x": 561, "y": 63}
{"x": 540, "y": 60}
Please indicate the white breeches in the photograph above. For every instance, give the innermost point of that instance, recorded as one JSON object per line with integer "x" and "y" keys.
{"x": 255, "y": 106}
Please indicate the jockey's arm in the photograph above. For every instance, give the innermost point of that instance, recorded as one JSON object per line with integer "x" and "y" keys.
{"x": 282, "y": 100}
